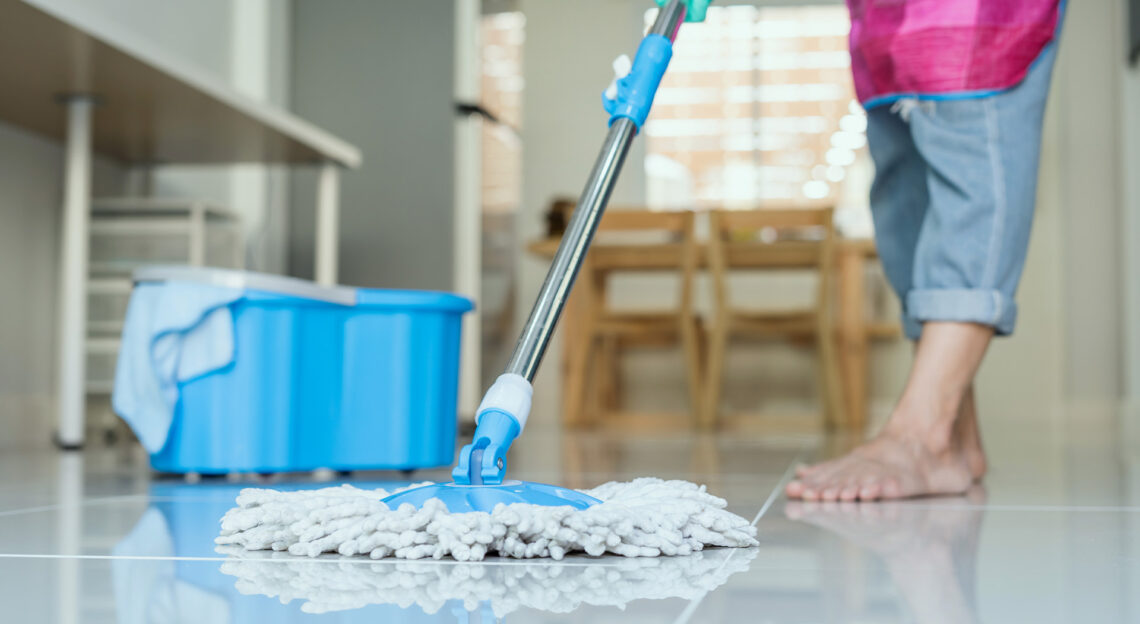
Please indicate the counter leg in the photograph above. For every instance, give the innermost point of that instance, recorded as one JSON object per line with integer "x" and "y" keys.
{"x": 72, "y": 357}
{"x": 328, "y": 224}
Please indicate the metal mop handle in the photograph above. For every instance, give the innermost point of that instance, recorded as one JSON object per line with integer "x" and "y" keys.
{"x": 506, "y": 405}
{"x": 584, "y": 222}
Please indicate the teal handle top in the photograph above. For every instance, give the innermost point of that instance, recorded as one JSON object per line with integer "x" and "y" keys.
{"x": 695, "y": 9}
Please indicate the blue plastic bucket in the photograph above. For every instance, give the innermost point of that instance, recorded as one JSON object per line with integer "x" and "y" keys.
{"x": 337, "y": 378}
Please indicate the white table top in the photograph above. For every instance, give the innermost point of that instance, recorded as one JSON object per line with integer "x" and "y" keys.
{"x": 153, "y": 107}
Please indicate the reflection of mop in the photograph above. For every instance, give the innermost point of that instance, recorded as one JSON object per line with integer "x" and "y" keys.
{"x": 508, "y": 587}
{"x": 646, "y": 517}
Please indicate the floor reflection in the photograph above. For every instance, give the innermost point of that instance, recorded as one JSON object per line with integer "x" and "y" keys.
{"x": 928, "y": 547}
{"x": 154, "y": 579}
{"x": 444, "y": 589}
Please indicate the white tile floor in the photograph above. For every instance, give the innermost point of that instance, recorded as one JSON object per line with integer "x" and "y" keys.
{"x": 1053, "y": 537}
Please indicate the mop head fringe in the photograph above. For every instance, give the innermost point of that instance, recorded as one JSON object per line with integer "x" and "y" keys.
{"x": 642, "y": 518}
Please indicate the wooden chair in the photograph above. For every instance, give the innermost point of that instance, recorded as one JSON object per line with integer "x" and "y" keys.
{"x": 592, "y": 371}
{"x": 734, "y": 244}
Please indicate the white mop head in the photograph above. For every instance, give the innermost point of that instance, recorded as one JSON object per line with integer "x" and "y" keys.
{"x": 641, "y": 518}
{"x": 556, "y": 588}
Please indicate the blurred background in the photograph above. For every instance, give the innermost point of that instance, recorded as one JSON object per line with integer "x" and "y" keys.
{"x": 731, "y": 321}
{"x": 477, "y": 123}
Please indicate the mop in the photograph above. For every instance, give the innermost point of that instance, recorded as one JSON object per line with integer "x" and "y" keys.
{"x": 480, "y": 513}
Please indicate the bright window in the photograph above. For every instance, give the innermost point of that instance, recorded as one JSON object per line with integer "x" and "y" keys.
{"x": 503, "y": 35}
{"x": 758, "y": 108}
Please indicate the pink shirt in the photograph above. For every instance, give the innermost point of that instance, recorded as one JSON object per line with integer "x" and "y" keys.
{"x": 945, "y": 48}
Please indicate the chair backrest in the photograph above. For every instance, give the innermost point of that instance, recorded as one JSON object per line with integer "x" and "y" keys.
{"x": 725, "y": 221}
{"x": 646, "y": 220}
{"x": 736, "y": 233}
{"x": 736, "y": 240}
{"x": 680, "y": 243}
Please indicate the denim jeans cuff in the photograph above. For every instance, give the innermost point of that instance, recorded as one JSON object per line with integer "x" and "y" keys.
{"x": 912, "y": 327}
{"x": 985, "y": 307}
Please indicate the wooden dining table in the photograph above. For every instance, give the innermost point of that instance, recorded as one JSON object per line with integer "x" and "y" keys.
{"x": 853, "y": 330}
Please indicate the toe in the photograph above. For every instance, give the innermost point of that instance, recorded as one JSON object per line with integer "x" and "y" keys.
{"x": 870, "y": 492}
{"x": 830, "y": 494}
{"x": 891, "y": 488}
{"x": 794, "y": 489}
{"x": 810, "y": 494}
{"x": 849, "y": 493}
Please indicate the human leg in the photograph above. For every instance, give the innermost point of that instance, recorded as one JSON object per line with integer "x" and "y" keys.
{"x": 982, "y": 158}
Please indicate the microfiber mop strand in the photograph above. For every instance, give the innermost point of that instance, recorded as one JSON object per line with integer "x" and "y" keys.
{"x": 508, "y": 587}
{"x": 642, "y": 518}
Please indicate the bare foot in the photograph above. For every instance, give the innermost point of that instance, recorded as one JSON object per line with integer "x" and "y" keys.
{"x": 893, "y": 465}
{"x": 901, "y": 464}
{"x": 931, "y": 445}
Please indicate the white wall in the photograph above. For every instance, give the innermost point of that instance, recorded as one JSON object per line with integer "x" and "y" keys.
{"x": 1087, "y": 97}
{"x": 380, "y": 74}
{"x": 1129, "y": 175}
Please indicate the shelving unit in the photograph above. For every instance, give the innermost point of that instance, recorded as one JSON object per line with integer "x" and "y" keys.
{"x": 102, "y": 89}
{"x": 131, "y": 232}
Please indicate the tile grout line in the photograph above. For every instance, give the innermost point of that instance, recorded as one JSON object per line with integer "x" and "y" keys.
{"x": 687, "y": 613}
{"x": 779, "y": 488}
{"x": 83, "y": 502}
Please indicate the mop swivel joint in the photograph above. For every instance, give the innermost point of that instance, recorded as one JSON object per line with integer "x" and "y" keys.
{"x": 484, "y": 461}
{"x": 500, "y": 419}
{"x": 634, "y": 87}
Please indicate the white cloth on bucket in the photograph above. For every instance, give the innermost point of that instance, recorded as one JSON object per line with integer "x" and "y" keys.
{"x": 174, "y": 332}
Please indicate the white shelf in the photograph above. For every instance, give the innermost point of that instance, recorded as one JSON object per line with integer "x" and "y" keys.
{"x": 109, "y": 286}
{"x": 103, "y": 346}
{"x": 103, "y": 269}
{"x": 105, "y": 327}
{"x": 119, "y": 207}
{"x": 147, "y": 226}
{"x": 100, "y": 387}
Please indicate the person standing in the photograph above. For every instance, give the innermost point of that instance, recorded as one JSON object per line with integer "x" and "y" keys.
{"x": 955, "y": 94}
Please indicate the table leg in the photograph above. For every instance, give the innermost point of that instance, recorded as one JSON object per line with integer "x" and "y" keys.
{"x": 576, "y": 346}
{"x": 853, "y": 341}
{"x": 328, "y": 223}
{"x": 71, "y": 392}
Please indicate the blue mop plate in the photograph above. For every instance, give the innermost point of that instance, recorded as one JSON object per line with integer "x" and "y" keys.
{"x": 464, "y": 498}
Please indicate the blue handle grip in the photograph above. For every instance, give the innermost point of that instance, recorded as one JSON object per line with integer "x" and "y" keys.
{"x": 636, "y": 91}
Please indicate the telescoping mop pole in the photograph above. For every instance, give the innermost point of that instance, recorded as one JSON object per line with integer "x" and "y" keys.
{"x": 628, "y": 111}
{"x": 506, "y": 406}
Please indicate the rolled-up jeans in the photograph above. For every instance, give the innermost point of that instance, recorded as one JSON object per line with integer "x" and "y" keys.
{"x": 953, "y": 199}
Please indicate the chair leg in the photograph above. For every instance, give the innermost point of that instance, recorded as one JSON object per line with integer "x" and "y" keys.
{"x": 830, "y": 382}
{"x": 607, "y": 373}
{"x": 718, "y": 342}
{"x": 576, "y": 381}
{"x": 690, "y": 341}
